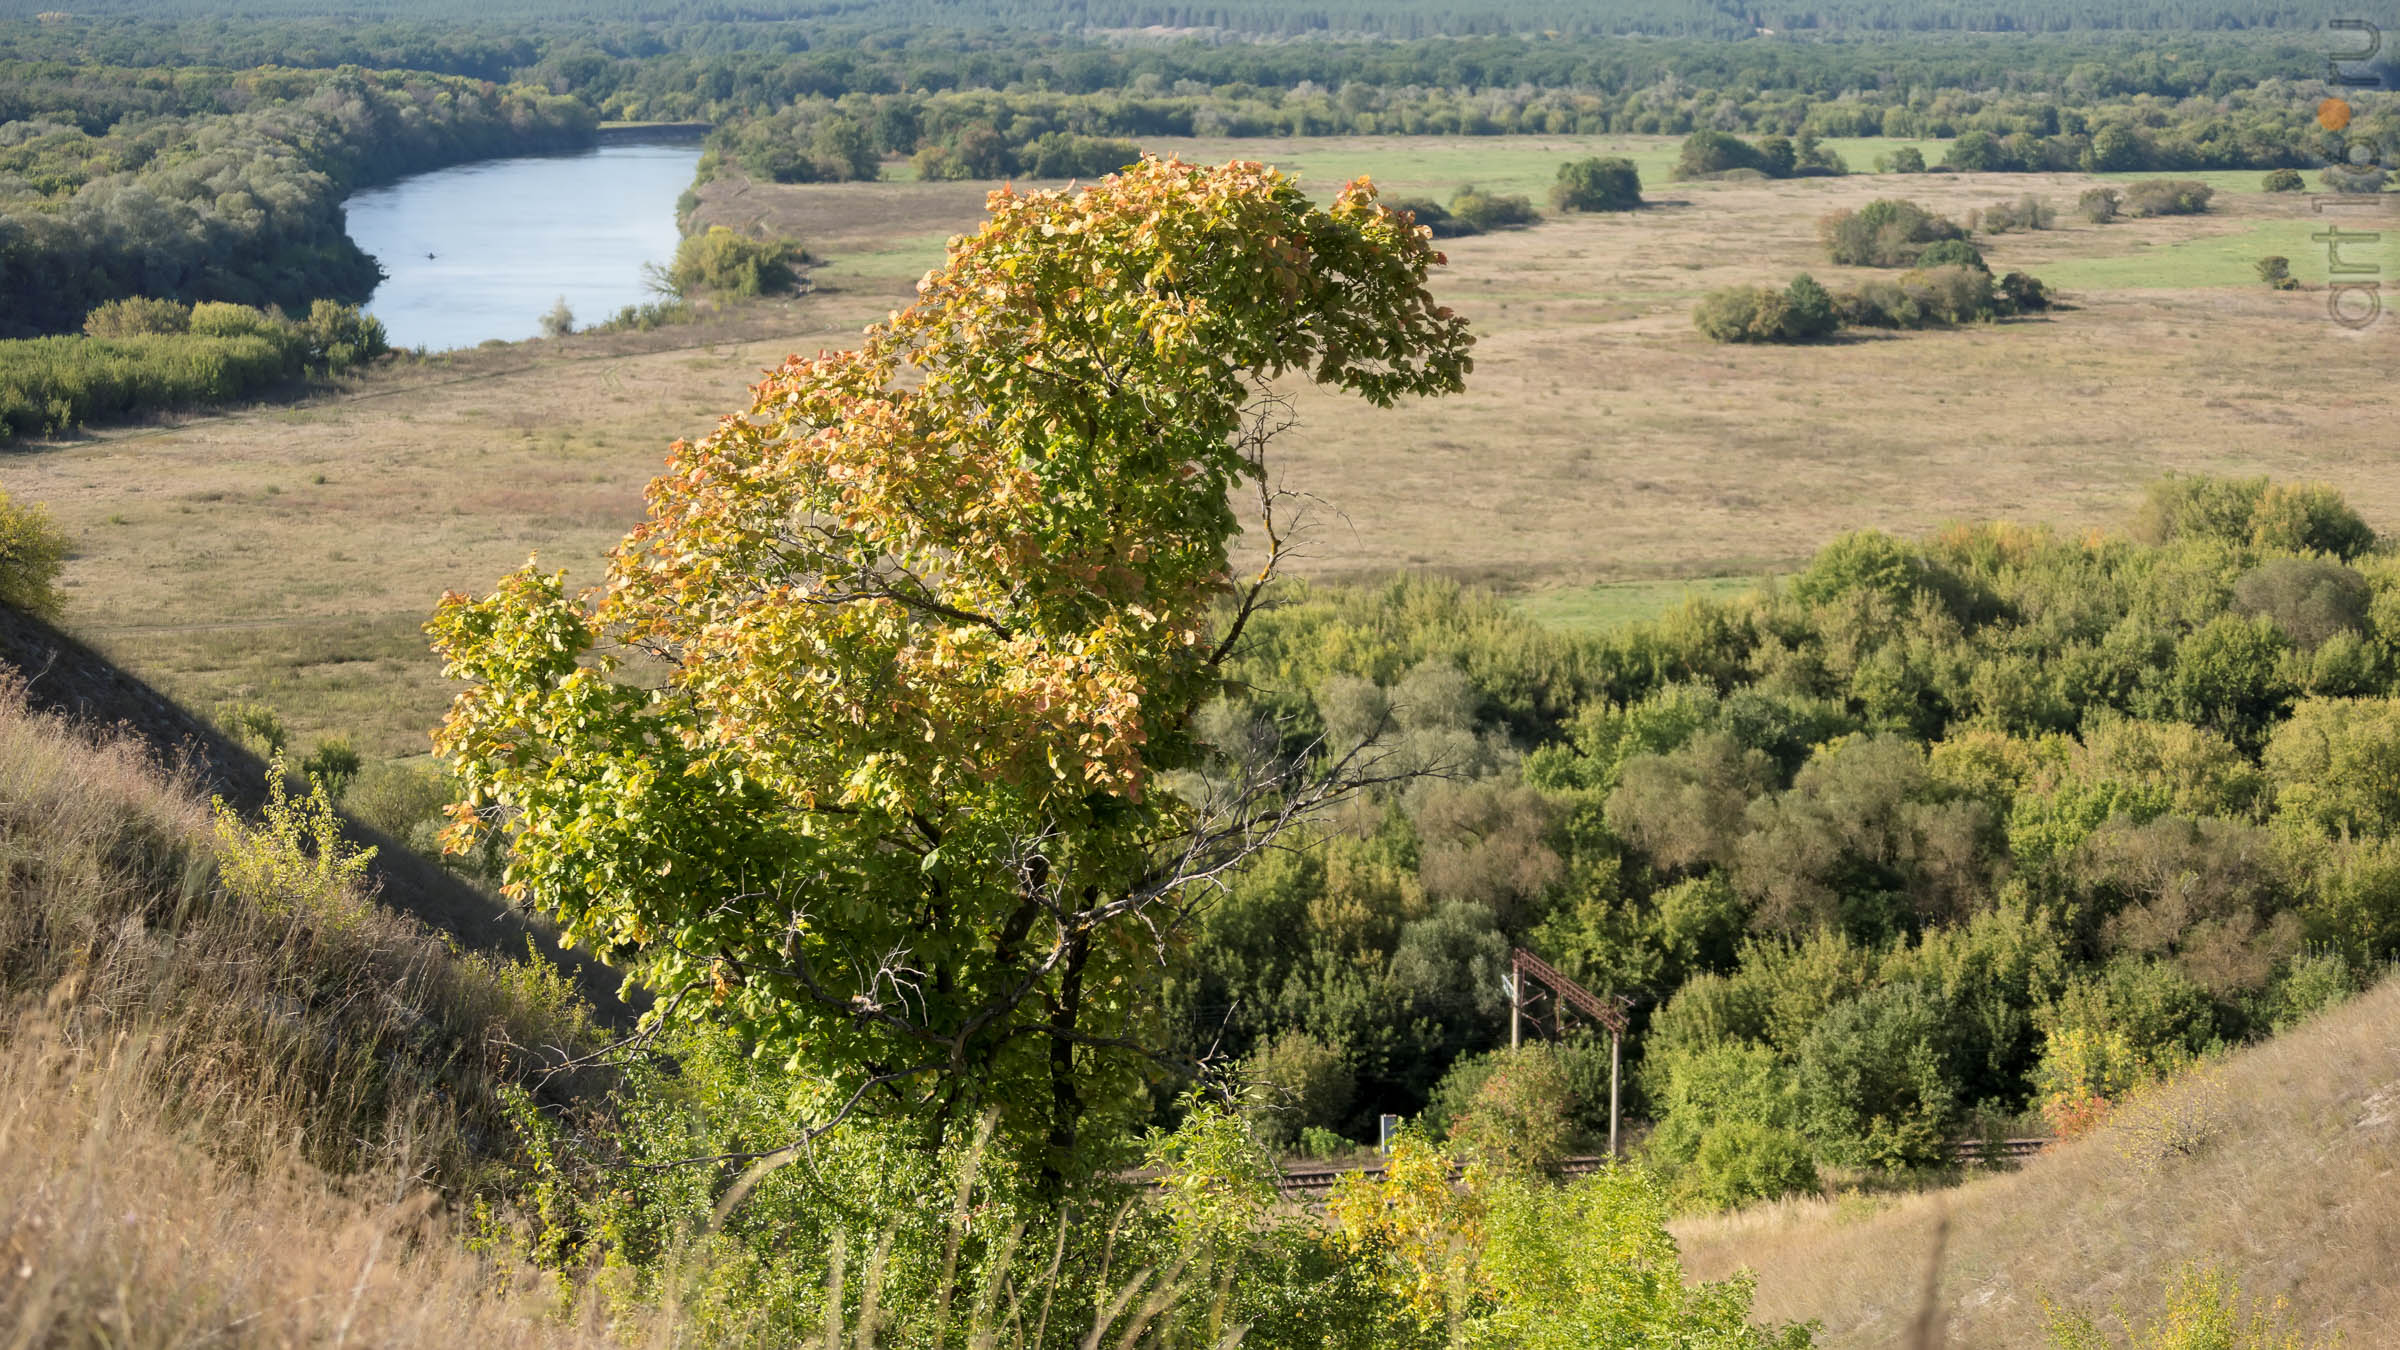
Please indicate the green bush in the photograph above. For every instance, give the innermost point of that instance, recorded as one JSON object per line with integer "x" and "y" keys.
{"x": 1521, "y": 1118}
{"x": 1591, "y": 1264}
{"x": 1741, "y": 314}
{"x": 137, "y": 315}
{"x": 1742, "y": 1162}
{"x": 2099, "y": 205}
{"x": 729, "y": 263}
{"x": 55, "y": 384}
{"x": 2276, "y": 271}
{"x": 1297, "y": 1083}
{"x": 340, "y": 337}
{"x": 1952, "y": 253}
{"x": 1597, "y": 185}
{"x": 32, "y": 552}
{"x": 1906, "y": 159}
{"x": 1889, "y": 232}
{"x": 2166, "y": 197}
{"x": 2025, "y": 213}
{"x": 1435, "y": 217}
{"x": 1060, "y": 154}
{"x": 1876, "y": 1080}
{"x": 1481, "y": 211}
{"x": 2020, "y": 293}
{"x": 2283, "y": 180}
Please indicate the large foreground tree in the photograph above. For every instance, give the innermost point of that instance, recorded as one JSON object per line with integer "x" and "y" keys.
{"x": 858, "y": 748}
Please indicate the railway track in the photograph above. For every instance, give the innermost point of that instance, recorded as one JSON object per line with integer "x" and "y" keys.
{"x": 1317, "y": 1180}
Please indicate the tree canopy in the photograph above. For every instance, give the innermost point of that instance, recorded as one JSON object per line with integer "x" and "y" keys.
{"x": 857, "y": 747}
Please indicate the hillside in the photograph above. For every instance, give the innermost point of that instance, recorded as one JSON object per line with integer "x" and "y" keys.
{"x": 2289, "y": 1185}
{"x": 240, "y": 1100}
{"x": 55, "y": 674}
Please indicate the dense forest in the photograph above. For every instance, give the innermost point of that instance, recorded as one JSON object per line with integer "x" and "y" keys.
{"x": 1268, "y": 18}
{"x": 191, "y": 155}
{"x": 1932, "y": 831}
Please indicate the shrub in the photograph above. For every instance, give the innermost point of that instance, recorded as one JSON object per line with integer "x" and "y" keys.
{"x": 54, "y": 384}
{"x": 2099, "y": 205}
{"x": 1906, "y": 159}
{"x": 2025, "y": 213}
{"x": 340, "y": 337}
{"x": 2276, "y": 271}
{"x": 1742, "y": 314}
{"x": 1800, "y": 312}
{"x": 2024, "y": 294}
{"x": 731, "y": 263}
{"x": 2202, "y": 1309}
{"x": 1952, "y": 253}
{"x": 1520, "y": 1119}
{"x": 1597, "y": 185}
{"x": 1876, "y": 1085}
{"x": 1706, "y": 154}
{"x": 256, "y": 726}
{"x": 1299, "y": 1083}
{"x": 137, "y": 315}
{"x": 1808, "y": 310}
{"x": 2354, "y": 178}
{"x": 1061, "y": 154}
{"x": 559, "y": 321}
{"x": 1591, "y": 1264}
{"x": 1435, "y": 217}
{"x": 1886, "y": 233}
{"x": 2283, "y": 180}
{"x": 1742, "y": 1162}
{"x": 32, "y": 552}
{"x": 1480, "y": 211}
{"x": 1951, "y": 294}
{"x": 2166, "y": 197}
{"x": 332, "y": 765}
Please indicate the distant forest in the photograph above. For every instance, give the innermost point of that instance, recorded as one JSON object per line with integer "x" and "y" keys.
{"x": 1267, "y": 18}
{"x": 200, "y": 152}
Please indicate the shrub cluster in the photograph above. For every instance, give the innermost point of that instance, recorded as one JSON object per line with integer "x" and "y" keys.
{"x": 2027, "y": 212}
{"x": 1888, "y": 232}
{"x": 160, "y": 354}
{"x": 1933, "y": 294}
{"x": 730, "y": 263}
{"x": 1717, "y": 154}
{"x": 1597, "y": 185}
{"x": 2166, "y": 197}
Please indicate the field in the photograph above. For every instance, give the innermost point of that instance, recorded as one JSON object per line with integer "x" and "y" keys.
{"x": 290, "y": 554}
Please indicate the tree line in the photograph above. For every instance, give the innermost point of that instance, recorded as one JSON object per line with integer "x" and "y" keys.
{"x": 1996, "y": 823}
{"x": 224, "y": 185}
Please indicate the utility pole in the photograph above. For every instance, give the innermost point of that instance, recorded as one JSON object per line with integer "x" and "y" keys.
{"x": 1564, "y": 994}
{"x": 1516, "y": 1009}
{"x": 1616, "y": 1046}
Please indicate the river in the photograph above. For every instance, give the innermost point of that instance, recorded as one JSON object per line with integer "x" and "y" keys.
{"x": 483, "y": 250}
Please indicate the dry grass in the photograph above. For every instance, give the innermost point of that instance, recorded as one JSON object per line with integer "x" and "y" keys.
{"x": 124, "y": 1224}
{"x": 230, "y": 1117}
{"x": 1601, "y": 438}
{"x": 2280, "y": 1167}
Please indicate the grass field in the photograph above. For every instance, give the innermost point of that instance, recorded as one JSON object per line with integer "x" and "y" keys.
{"x": 290, "y": 554}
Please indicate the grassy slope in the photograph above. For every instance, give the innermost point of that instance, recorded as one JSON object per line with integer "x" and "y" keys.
{"x": 2294, "y": 1191}
{"x": 235, "y": 1114}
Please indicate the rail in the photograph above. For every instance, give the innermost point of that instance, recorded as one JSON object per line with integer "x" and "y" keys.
{"x": 1318, "y": 1179}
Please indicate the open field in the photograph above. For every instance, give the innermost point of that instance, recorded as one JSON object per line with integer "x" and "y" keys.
{"x": 290, "y": 554}
{"x": 2289, "y": 1184}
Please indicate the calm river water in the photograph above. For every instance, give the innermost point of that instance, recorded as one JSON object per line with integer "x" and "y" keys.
{"x": 483, "y": 250}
